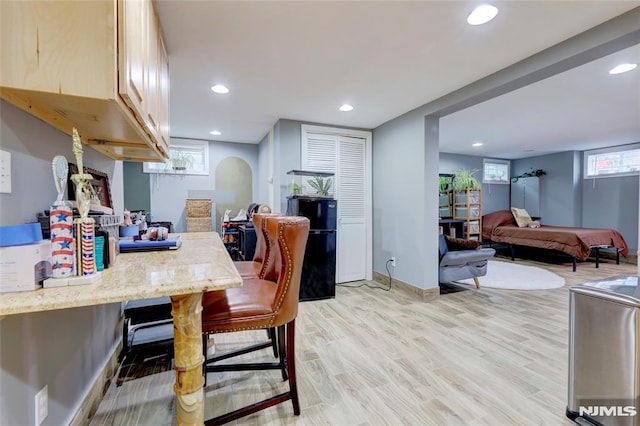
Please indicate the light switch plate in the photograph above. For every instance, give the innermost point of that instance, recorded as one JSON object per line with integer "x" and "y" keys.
{"x": 5, "y": 172}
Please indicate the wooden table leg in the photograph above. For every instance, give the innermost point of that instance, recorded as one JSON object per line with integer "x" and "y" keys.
{"x": 187, "y": 337}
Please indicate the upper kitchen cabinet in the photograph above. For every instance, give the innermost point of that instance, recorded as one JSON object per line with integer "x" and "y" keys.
{"x": 99, "y": 66}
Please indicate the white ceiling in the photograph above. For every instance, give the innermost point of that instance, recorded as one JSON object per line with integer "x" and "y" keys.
{"x": 302, "y": 60}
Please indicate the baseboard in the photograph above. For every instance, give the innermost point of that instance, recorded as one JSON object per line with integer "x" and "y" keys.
{"x": 99, "y": 388}
{"x": 422, "y": 294}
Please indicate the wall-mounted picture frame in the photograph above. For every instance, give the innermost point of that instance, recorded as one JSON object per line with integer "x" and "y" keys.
{"x": 100, "y": 186}
{"x": 496, "y": 172}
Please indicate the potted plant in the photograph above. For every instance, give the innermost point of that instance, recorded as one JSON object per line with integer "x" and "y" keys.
{"x": 532, "y": 173}
{"x": 179, "y": 162}
{"x": 445, "y": 182}
{"x": 320, "y": 184}
{"x": 465, "y": 179}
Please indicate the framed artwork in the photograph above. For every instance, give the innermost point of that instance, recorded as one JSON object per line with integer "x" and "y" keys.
{"x": 101, "y": 192}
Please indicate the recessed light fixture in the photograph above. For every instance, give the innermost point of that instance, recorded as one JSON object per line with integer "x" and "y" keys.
{"x": 346, "y": 107}
{"x": 482, "y": 14}
{"x": 215, "y": 133}
{"x": 220, "y": 88}
{"x": 619, "y": 69}
{"x": 476, "y": 144}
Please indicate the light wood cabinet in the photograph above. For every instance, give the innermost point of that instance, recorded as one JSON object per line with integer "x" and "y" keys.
{"x": 99, "y": 66}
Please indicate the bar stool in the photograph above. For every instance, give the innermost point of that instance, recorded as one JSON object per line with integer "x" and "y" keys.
{"x": 255, "y": 268}
{"x": 264, "y": 303}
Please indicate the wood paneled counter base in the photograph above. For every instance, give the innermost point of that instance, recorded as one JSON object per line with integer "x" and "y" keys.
{"x": 201, "y": 264}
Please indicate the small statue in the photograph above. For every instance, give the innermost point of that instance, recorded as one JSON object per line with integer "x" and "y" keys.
{"x": 84, "y": 232}
{"x": 60, "y": 173}
{"x": 81, "y": 180}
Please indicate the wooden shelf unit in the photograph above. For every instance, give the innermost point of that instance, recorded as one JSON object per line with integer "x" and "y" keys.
{"x": 467, "y": 206}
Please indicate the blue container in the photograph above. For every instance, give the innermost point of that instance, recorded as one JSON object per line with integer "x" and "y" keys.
{"x": 18, "y": 235}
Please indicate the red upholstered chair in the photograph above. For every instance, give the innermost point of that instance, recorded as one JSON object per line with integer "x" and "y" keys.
{"x": 264, "y": 303}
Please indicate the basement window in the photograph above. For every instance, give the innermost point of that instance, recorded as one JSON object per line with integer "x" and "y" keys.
{"x": 496, "y": 171}
{"x": 186, "y": 157}
{"x": 612, "y": 162}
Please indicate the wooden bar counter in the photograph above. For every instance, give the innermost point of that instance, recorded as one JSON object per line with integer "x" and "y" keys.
{"x": 201, "y": 264}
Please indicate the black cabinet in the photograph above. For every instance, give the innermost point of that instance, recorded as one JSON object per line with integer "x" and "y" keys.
{"x": 318, "y": 279}
{"x": 247, "y": 241}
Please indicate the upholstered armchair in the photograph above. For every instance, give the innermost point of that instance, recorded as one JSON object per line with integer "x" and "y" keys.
{"x": 461, "y": 259}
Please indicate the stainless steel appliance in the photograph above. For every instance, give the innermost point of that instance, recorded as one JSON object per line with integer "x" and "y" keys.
{"x": 318, "y": 280}
{"x": 604, "y": 352}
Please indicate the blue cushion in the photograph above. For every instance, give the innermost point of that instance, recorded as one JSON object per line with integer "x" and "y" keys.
{"x": 442, "y": 245}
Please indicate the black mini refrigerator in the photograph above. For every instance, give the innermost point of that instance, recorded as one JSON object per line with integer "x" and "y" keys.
{"x": 319, "y": 266}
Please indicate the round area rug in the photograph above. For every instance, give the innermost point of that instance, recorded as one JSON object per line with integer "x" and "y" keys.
{"x": 513, "y": 276}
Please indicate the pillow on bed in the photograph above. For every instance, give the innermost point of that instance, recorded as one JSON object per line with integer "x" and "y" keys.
{"x": 521, "y": 216}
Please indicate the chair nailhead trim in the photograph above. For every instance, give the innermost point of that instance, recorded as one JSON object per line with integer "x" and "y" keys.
{"x": 288, "y": 273}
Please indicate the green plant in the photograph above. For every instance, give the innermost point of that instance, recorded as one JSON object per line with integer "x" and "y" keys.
{"x": 532, "y": 173}
{"x": 320, "y": 184}
{"x": 179, "y": 161}
{"x": 465, "y": 178}
{"x": 444, "y": 182}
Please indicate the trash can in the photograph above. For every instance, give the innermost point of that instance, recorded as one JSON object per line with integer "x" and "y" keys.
{"x": 604, "y": 352}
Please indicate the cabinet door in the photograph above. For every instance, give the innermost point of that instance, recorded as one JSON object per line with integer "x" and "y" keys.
{"x": 58, "y": 48}
{"x": 133, "y": 44}
{"x": 153, "y": 100}
{"x": 163, "y": 94}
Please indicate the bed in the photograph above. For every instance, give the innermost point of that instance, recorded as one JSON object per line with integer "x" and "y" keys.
{"x": 501, "y": 227}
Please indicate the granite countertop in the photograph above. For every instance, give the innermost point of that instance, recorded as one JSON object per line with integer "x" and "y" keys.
{"x": 201, "y": 264}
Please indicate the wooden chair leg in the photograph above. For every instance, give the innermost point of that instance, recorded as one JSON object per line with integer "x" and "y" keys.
{"x": 204, "y": 364}
{"x": 475, "y": 280}
{"x": 282, "y": 351}
{"x": 291, "y": 366}
{"x": 271, "y": 332}
{"x": 292, "y": 394}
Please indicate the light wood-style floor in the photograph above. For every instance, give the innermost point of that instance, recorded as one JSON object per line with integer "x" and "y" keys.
{"x": 370, "y": 357}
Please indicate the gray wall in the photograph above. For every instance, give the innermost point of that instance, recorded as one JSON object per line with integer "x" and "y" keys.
{"x": 290, "y": 135}
{"x": 63, "y": 349}
{"x": 560, "y": 188}
{"x": 137, "y": 192}
{"x": 264, "y": 174}
{"x": 399, "y": 200}
{"x": 169, "y": 192}
{"x": 612, "y": 203}
{"x": 494, "y": 197}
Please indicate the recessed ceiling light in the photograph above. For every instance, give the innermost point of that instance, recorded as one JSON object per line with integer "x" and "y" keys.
{"x": 482, "y": 14}
{"x": 220, "y": 88}
{"x": 619, "y": 69}
{"x": 346, "y": 107}
{"x": 476, "y": 144}
{"x": 215, "y": 133}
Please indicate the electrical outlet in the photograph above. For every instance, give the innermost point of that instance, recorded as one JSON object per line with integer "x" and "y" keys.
{"x": 42, "y": 405}
{"x": 393, "y": 262}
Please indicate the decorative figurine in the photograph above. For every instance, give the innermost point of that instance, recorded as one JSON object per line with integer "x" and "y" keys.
{"x": 81, "y": 179}
{"x": 61, "y": 224}
{"x": 83, "y": 225}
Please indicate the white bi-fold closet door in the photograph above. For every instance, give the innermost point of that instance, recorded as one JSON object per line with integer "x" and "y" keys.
{"x": 348, "y": 156}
